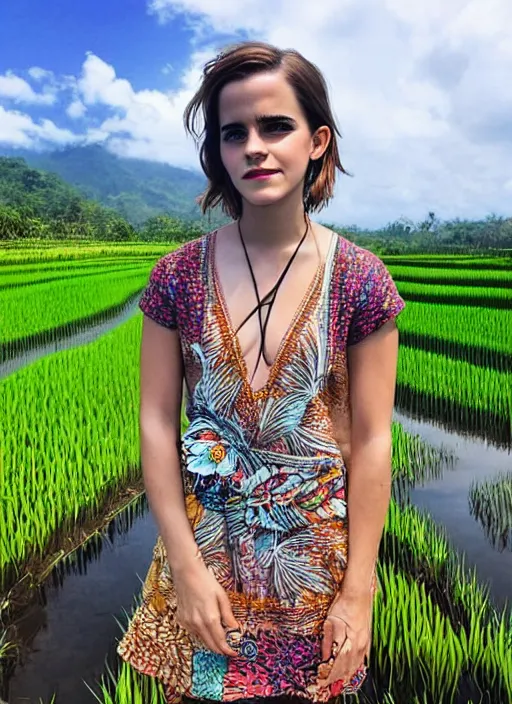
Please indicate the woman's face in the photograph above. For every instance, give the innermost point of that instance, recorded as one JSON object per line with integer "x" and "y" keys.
{"x": 262, "y": 126}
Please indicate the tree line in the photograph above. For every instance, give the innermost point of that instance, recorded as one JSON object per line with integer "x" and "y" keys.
{"x": 39, "y": 205}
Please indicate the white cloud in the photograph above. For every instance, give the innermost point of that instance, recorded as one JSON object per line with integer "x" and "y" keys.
{"x": 222, "y": 16}
{"x": 19, "y": 129}
{"x": 146, "y": 123}
{"x": 76, "y": 109}
{"x": 98, "y": 84}
{"x": 40, "y": 74}
{"x": 17, "y": 89}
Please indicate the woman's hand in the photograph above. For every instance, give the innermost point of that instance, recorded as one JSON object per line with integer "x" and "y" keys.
{"x": 204, "y": 609}
{"x": 347, "y": 627}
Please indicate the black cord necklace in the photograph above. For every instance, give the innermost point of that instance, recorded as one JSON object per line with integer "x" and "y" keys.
{"x": 269, "y": 298}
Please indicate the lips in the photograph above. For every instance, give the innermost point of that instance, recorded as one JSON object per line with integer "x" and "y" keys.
{"x": 259, "y": 173}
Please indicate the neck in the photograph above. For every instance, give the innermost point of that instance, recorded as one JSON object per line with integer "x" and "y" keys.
{"x": 273, "y": 227}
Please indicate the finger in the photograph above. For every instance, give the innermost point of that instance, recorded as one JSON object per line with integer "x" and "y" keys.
{"x": 327, "y": 640}
{"x": 204, "y": 633}
{"x": 344, "y": 665}
{"x": 228, "y": 620}
{"x": 345, "y": 668}
{"x": 226, "y": 612}
{"x": 336, "y": 633}
{"x": 218, "y": 634}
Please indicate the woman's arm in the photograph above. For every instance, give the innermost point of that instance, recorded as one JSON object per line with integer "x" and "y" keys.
{"x": 203, "y": 605}
{"x": 161, "y": 382}
{"x": 372, "y": 377}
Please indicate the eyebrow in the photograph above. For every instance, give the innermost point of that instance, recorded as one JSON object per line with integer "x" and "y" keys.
{"x": 261, "y": 119}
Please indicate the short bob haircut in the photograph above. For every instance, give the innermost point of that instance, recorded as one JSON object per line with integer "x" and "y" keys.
{"x": 236, "y": 63}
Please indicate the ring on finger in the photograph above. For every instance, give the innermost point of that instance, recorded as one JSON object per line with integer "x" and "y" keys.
{"x": 336, "y": 647}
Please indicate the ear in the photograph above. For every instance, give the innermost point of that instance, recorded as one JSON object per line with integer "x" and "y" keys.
{"x": 320, "y": 142}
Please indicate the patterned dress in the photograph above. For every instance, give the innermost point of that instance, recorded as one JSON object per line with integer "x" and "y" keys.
{"x": 263, "y": 476}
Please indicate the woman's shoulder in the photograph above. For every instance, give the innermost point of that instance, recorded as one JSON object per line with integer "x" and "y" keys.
{"x": 357, "y": 260}
{"x": 175, "y": 285}
{"x": 355, "y": 252}
{"x": 184, "y": 260}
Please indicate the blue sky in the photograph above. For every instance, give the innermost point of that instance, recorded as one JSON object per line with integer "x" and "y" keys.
{"x": 421, "y": 90}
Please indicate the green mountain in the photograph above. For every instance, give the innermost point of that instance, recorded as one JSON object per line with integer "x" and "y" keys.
{"x": 39, "y": 204}
{"x": 137, "y": 189}
{"x": 37, "y": 193}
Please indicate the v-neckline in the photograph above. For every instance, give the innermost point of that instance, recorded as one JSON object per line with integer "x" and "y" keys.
{"x": 235, "y": 342}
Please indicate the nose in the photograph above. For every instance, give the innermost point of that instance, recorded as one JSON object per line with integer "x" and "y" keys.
{"x": 254, "y": 145}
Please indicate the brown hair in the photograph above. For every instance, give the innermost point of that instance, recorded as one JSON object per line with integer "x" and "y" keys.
{"x": 236, "y": 63}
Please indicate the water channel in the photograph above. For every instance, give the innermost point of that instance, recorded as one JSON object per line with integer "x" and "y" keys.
{"x": 70, "y": 629}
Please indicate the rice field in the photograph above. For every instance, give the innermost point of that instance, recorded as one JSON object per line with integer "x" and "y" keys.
{"x": 485, "y": 333}
{"x": 69, "y": 446}
{"x": 77, "y": 441}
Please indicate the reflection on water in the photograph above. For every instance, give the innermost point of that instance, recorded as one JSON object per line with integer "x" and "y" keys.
{"x": 72, "y": 626}
{"x": 446, "y": 498}
{"x": 454, "y": 416}
{"x": 78, "y": 561}
{"x": 490, "y": 502}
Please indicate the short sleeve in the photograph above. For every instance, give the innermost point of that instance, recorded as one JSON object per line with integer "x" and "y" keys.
{"x": 158, "y": 298}
{"x": 377, "y": 301}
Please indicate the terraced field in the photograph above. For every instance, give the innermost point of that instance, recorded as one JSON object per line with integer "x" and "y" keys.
{"x": 69, "y": 454}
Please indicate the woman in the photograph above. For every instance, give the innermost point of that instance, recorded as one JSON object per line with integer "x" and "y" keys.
{"x": 263, "y": 577}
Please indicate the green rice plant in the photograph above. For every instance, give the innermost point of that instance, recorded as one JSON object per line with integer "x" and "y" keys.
{"x": 69, "y": 439}
{"x": 31, "y": 310}
{"x": 41, "y": 274}
{"x": 37, "y": 251}
{"x": 5, "y": 647}
{"x": 443, "y": 261}
{"x": 455, "y": 392}
{"x": 127, "y": 686}
{"x": 7, "y": 651}
{"x": 468, "y": 326}
{"x": 490, "y": 502}
{"x": 415, "y": 460}
{"x": 452, "y": 276}
{"x": 417, "y": 651}
{"x": 73, "y": 444}
{"x": 488, "y": 297}
{"x": 414, "y": 544}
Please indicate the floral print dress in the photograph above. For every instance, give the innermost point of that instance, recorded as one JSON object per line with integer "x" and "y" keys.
{"x": 263, "y": 476}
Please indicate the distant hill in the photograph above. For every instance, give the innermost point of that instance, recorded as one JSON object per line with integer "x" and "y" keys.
{"x": 39, "y": 204}
{"x": 37, "y": 193}
{"x": 137, "y": 189}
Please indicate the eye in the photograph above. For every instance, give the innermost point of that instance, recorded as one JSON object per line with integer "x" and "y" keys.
{"x": 278, "y": 126}
{"x": 233, "y": 135}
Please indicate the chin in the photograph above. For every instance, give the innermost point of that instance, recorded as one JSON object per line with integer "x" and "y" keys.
{"x": 264, "y": 199}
